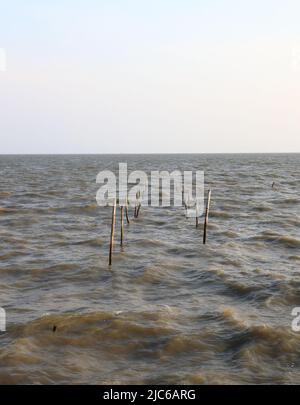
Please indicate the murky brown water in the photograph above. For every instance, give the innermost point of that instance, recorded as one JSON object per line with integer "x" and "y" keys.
{"x": 170, "y": 310}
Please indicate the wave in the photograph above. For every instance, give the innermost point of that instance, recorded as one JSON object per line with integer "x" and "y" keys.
{"x": 220, "y": 214}
{"x": 275, "y": 238}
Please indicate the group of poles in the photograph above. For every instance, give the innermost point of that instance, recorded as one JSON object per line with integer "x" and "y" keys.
{"x": 124, "y": 208}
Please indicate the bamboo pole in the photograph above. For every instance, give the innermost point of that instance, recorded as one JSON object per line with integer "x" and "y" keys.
{"x": 137, "y": 204}
{"x": 206, "y": 216}
{"x": 112, "y": 232}
{"x": 126, "y": 212}
{"x": 122, "y": 225}
{"x": 138, "y": 210}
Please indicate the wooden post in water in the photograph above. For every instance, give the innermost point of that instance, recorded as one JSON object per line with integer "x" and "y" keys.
{"x": 112, "y": 232}
{"x": 138, "y": 210}
{"x": 206, "y": 217}
{"x": 197, "y": 215}
{"x": 137, "y": 205}
{"x": 126, "y": 212}
{"x": 122, "y": 225}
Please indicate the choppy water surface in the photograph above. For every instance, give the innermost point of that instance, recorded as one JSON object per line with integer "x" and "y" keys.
{"x": 170, "y": 310}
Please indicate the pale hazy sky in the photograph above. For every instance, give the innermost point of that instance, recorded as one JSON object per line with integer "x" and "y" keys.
{"x": 112, "y": 76}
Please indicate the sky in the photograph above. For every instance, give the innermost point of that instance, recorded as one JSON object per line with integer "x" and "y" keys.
{"x": 159, "y": 76}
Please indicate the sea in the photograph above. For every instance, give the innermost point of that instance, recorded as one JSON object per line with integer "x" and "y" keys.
{"x": 169, "y": 310}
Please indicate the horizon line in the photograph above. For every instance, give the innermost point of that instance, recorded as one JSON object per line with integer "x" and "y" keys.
{"x": 147, "y": 153}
